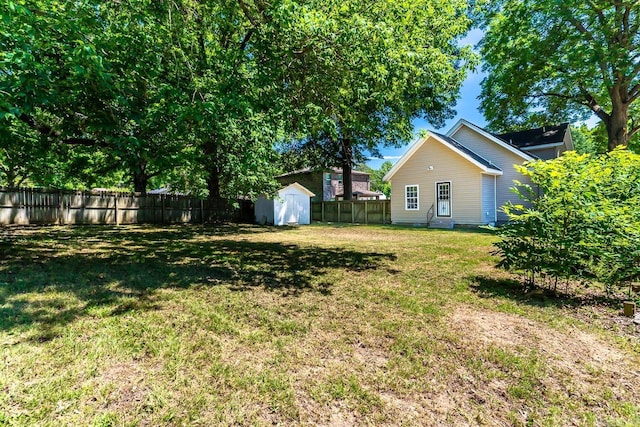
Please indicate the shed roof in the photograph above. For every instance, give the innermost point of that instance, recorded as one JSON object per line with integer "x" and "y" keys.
{"x": 300, "y": 187}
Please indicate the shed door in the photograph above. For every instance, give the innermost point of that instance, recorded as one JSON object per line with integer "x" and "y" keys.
{"x": 443, "y": 195}
{"x": 292, "y": 210}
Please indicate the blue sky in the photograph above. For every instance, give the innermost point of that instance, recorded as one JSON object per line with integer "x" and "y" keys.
{"x": 467, "y": 108}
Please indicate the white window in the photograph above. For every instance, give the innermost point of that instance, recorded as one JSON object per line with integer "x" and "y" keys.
{"x": 443, "y": 199}
{"x": 411, "y": 198}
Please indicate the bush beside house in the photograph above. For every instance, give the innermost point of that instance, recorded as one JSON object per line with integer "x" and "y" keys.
{"x": 583, "y": 223}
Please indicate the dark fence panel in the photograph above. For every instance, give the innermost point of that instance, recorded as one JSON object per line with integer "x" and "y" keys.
{"x": 356, "y": 211}
{"x": 42, "y": 206}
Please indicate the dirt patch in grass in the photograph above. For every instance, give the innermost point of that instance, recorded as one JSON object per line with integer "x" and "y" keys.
{"x": 571, "y": 365}
{"x": 128, "y": 382}
{"x": 506, "y": 330}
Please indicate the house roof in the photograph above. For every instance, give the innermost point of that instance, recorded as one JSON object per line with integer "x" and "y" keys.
{"x": 501, "y": 142}
{"x": 467, "y": 151}
{"x": 300, "y": 187}
{"x": 547, "y": 136}
{"x": 310, "y": 170}
{"x": 485, "y": 165}
{"x": 365, "y": 193}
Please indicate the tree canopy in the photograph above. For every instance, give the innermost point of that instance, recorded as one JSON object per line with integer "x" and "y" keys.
{"x": 380, "y": 65}
{"x": 552, "y": 60}
{"x": 198, "y": 94}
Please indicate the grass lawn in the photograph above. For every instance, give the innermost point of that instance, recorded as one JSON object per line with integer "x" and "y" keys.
{"x": 321, "y": 325}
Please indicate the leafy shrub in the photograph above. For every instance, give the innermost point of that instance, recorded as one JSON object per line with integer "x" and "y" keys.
{"x": 580, "y": 219}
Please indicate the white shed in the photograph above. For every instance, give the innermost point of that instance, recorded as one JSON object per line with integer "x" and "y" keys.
{"x": 291, "y": 206}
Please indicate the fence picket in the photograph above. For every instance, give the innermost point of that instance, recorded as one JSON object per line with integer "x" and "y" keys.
{"x": 36, "y": 206}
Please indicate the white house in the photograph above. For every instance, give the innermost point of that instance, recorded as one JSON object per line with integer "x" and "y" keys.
{"x": 465, "y": 176}
{"x": 292, "y": 206}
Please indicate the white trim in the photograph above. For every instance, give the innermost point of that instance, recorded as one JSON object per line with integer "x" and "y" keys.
{"x": 299, "y": 187}
{"x": 417, "y": 197}
{"x": 450, "y": 199}
{"x": 477, "y": 129}
{"x": 420, "y": 142}
{"x": 570, "y": 146}
{"x": 410, "y": 151}
{"x": 495, "y": 199}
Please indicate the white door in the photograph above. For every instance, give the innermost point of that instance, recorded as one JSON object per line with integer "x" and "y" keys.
{"x": 292, "y": 208}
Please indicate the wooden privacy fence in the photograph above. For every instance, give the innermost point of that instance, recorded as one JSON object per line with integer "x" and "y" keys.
{"x": 356, "y": 211}
{"x": 39, "y": 206}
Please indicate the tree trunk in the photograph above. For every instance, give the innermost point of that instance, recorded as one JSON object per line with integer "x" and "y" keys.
{"x": 617, "y": 131}
{"x": 347, "y": 161}
{"x": 213, "y": 182}
{"x": 213, "y": 169}
{"x": 140, "y": 181}
{"x": 11, "y": 178}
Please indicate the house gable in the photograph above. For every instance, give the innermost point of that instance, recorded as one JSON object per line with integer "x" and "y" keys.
{"x": 484, "y": 143}
{"x": 430, "y": 162}
{"x": 481, "y": 163}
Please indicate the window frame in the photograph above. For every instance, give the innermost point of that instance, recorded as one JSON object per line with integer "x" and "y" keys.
{"x": 417, "y": 197}
{"x": 450, "y": 199}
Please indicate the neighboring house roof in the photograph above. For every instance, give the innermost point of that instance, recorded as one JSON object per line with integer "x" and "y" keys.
{"x": 166, "y": 190}
{"x": 310, "y": 170}
{"x": 364, "y": 193}
{"x": 300, "y": 187}
{"x": 546, "y": 136}
{"x": 485, "y": 165}
{"x": 513, "y": 148}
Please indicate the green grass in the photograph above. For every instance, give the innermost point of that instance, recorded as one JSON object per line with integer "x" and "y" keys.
{"x": 111, "y": 326}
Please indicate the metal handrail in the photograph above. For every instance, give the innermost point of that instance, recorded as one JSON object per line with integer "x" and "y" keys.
{"x": 430, "y": 214}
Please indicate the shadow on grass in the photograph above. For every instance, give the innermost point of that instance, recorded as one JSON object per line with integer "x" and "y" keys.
{"x": 120, "y": 269}
{"x": 489, "y": 287}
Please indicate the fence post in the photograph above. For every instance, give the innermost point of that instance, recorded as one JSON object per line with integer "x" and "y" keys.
{"x": 322, "y": 215}
{"x": 162, "y": 209}
{"x": 115, "y": 208}
{"x": 339, "y": 212}
{"x": 201, "y": 211}
{"x": 25, "y": 200}
{"x": 60, "y": 208}
{"x": 353, "y": 212}
{"x": 366, "y": 212}
{"x": 384, "y": 212}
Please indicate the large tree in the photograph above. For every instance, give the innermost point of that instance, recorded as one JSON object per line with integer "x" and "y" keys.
{"x": 96, "y": 75}
{"x": 562, "y": 60}
{"x": 363, "y": 70}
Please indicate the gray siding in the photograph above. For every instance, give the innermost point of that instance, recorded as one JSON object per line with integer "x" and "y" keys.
{"x": 547, "y": 153}
{"x": 501, "y": 157}
{"x": 488, "y": 199}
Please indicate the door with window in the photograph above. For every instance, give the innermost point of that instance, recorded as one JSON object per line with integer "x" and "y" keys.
{"x": 443, "y": 199}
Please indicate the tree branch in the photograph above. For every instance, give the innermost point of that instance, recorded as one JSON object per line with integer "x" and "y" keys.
{"x": 48, "y": 131}
{"x": 247, "y": 37}
{"x": 634, "y": 93}
{"x": 589, "y": 36}
{"x": 248, "y": 14}
{"x": 591, "y": 102}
